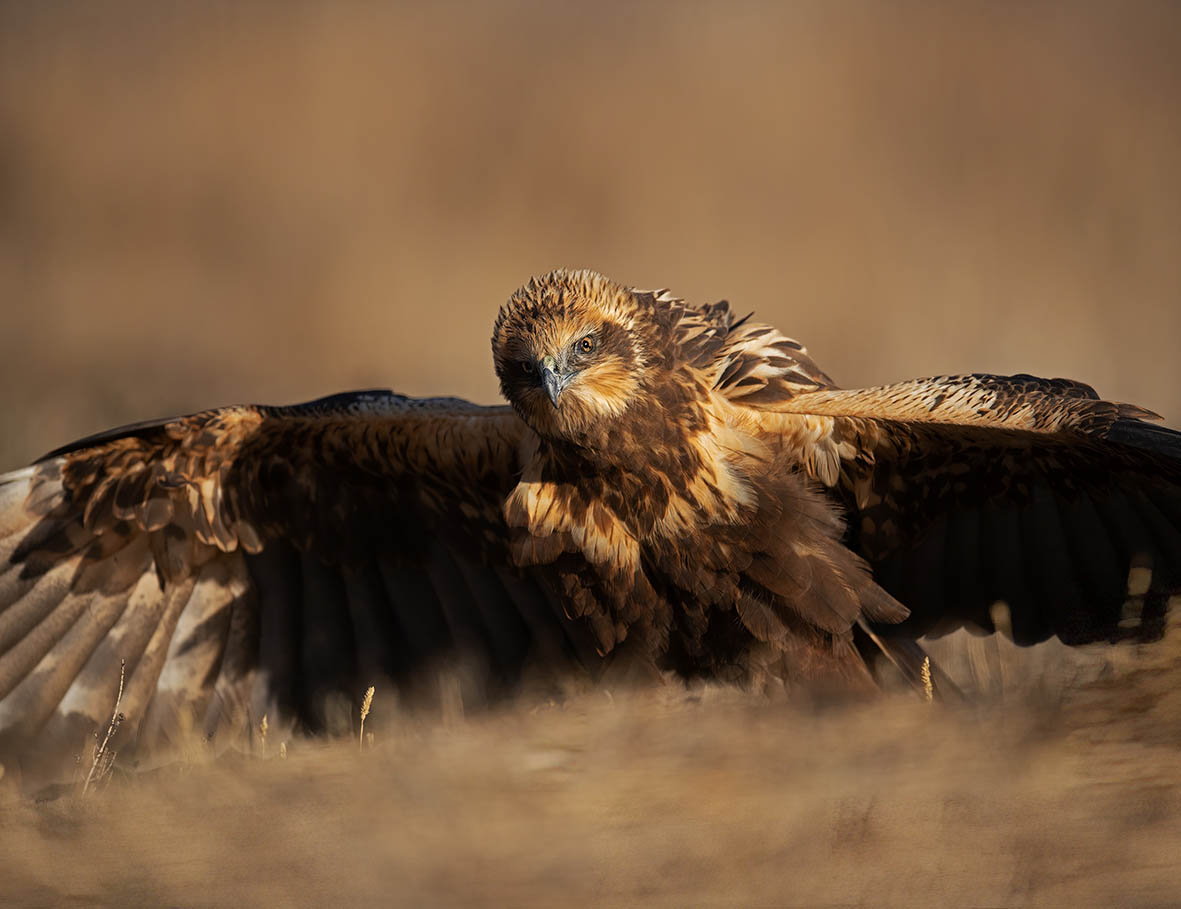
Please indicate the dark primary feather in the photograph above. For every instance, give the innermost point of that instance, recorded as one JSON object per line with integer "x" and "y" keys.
{"x": 703, "y": 499}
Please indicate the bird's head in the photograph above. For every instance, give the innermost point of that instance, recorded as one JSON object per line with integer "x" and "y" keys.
{"x": 571, "y": 352}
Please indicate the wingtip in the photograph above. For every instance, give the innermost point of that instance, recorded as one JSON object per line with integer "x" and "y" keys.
{"x": 1136, "y": 412}
{"x": 18, "y": 475}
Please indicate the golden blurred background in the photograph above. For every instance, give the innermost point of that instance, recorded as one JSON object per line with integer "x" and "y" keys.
{"x": 225, "y": 202}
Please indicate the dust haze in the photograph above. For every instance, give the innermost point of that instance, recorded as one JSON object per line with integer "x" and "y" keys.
{"x": 1057, "y": 785}
{"x": 204, "y": 204}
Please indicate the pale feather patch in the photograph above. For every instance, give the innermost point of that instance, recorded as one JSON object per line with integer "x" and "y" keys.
{"x": 33, "y": 644}
{"x": 182, "y": 693}
{"x": 26, "y": 601}
{"x": 757, "y": 357}
{"x": 811, "y": 438}
{"x": 72, "y": 631}
{"x": 218, "y": 586}
{"x": 605, "y": 389}
{"x": 542, "y": 509}
{"x": 14, "y": 493}
{"x": 1018, "y": 402}
{"x": 720, "y": 489}
{"x": 142, "y": 682}
{"x": 93, "y": 691}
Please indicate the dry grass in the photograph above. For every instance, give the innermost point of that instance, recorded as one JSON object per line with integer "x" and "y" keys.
{"x": 103, "y": 763}
{"x": 1062, "y": 788}
{"x": 366, "y": 704}
{"x": 257, "y": 201}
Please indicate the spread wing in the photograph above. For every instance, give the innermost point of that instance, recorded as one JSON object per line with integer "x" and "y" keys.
{"x": 258, "y": 560}
{"x": 963, "y": 492}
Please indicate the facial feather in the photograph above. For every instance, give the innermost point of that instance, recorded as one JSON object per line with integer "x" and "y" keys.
{"x": 581, "y": 327}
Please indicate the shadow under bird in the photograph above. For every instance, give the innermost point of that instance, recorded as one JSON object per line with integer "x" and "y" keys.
{"x": 671, "y": 490}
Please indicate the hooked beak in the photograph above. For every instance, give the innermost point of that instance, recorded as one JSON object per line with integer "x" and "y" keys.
{"x": 551, "y": 380}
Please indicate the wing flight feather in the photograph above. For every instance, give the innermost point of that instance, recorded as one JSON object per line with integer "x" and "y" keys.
{"x": 965, "y": 492}
{"x": 263, "y": 560}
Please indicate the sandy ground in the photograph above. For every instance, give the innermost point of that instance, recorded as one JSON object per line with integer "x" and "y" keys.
{"x": 209, "y": 203}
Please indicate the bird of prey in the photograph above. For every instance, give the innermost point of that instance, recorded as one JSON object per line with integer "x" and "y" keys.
{"x": 671, "y": 490}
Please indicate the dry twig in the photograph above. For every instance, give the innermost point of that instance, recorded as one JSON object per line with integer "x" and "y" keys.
{"x": 104, "y": 761}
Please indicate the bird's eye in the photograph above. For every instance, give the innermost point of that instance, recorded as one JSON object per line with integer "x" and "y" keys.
{"x": 587, "y": 344}
{"x": 527, "y": 365}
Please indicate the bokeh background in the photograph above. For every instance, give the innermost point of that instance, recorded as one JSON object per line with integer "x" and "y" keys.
{"x": 210, "y": 203}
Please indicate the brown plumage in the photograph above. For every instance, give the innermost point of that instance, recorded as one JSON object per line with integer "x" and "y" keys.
{"x": 671, "y": 489}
